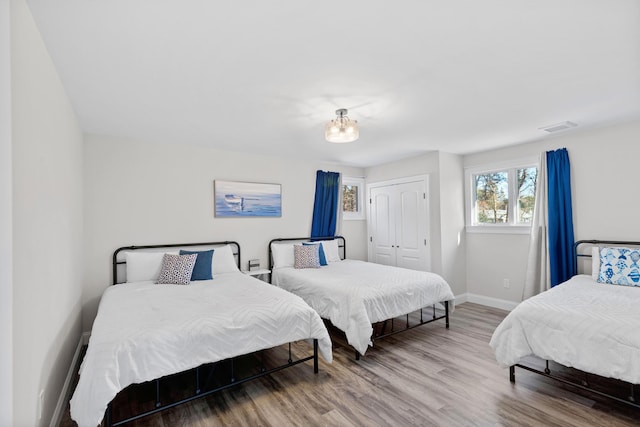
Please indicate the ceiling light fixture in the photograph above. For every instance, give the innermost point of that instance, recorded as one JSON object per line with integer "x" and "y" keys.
{"x": 342, "y": 128}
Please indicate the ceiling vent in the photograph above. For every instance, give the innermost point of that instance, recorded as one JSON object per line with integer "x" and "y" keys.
{"x": 558, "y": 127}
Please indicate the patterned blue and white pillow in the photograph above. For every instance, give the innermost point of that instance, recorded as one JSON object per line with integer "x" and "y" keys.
{"x": 306, "y": 256}
{"x": 620, "y": 266}
{"x": 177, "y": 269}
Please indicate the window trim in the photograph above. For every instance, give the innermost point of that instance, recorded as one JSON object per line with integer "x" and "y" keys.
{"x": 360, "y": 215}
{"x": 470, "y": 171}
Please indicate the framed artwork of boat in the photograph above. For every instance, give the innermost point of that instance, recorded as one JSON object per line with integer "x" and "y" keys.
{"x": 247, "y": 199}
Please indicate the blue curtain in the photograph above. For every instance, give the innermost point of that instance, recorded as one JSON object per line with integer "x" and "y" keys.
{"x": 325, "y": 205}
{"x": 560, "y": 221}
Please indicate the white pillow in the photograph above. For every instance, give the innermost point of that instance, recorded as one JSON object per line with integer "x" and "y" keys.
{"x": 331, "y": 252}
{"x": 144, "y": 266}
{"x": 595, "y": 263}
{"x": 223, "y": 260}
{"x": 282, "y": 255}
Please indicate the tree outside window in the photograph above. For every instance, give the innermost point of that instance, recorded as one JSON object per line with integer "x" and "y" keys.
{"x": 492, "y": 200}
{"x": 527, "y": 179}
{"x": 504, "y": 197}
{"x": 353, "y": 198}
{"x": 350, "y": 198}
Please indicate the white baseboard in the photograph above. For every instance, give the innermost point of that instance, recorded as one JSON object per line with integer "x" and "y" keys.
{"x": 488, "y": 301}
{"x": 461, "y": 299}
{"x": 61, "y": 406}
{"x": 492, "y": 302}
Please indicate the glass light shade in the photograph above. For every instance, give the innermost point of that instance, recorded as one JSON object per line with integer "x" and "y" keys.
{"x": 341, "y": 130}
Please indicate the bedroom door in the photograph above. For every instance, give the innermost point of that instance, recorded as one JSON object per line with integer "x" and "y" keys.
{"x": 398, "y": 223}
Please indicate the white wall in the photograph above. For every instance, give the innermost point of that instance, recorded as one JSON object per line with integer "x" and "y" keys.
{"x": 491, "y": 258}
{"x": 603, "y": 173}
{"x": 446, "y": 217}
{"x": 47, "y": 224}
{"x": 140, "y": 193}
{"x": 6, "y": 221}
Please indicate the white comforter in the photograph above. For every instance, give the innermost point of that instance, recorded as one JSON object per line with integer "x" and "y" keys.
{"x": 354, "y": 294}
{"x": 145, "y": 331}
{"x": 581, "y": 323}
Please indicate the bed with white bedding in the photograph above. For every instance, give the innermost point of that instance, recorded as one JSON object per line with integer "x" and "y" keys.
{"x": 582, "y": 323}
{"x": 144, "y": 331}
{"x": 354, "y": 294}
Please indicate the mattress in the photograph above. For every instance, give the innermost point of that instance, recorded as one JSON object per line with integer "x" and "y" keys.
{"x": 354, "y": 294}
{"x": 145, "y": 331}
{"x": 580, "y": 323}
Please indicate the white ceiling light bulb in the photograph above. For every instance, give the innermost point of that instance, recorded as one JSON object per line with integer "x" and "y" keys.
{"x": 342, "y": 129}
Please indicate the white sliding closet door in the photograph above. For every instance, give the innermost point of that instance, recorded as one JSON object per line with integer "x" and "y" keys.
{"x": 398, "y": 223}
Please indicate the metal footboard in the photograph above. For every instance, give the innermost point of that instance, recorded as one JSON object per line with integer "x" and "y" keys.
{"x": 408, "y": 326}
{"x": 197, "y": 387}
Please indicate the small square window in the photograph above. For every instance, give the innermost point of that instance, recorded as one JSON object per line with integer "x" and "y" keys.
{"x": 353, "y": 198}
{"x": 350, "y": 198}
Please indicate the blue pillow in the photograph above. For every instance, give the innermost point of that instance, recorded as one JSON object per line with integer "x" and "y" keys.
{"x": 202, "y": 269}
{"x": 323, "y": 259}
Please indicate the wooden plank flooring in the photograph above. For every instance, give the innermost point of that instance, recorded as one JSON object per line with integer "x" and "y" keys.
{"x": 428, "y": 376}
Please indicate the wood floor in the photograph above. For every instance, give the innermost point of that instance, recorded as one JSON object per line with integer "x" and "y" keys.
{"x": 428, "y": 376}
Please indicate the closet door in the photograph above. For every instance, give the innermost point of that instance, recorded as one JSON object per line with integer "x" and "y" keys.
{"x": 411, "y": 225}
{"x": 382, "y": 223}
{"x": 398, "y": 224}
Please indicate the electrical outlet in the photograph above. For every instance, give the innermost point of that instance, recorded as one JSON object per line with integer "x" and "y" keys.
{"x": 40, "y": 404}
{"x": 506, "y": 283}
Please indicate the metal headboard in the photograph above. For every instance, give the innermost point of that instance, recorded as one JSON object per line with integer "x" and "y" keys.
{"x": 342, "y": 245}
{"x": 591, "y": 243}
{"x": 235, "y": 248}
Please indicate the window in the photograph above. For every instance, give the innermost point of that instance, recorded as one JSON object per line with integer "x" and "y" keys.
{"x": 352, "y": 198}
{"x": 501, "y": 198}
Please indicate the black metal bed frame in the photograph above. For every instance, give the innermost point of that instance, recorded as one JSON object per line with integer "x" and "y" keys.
{"x": 198, "y": 387}
{"x": 385, "y": 323}
{"x": 584, "y": 384}
{"x": 198, "y": 393}
{"x": 407, "y": 325}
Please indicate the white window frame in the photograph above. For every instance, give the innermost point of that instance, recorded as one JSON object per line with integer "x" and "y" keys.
{"x": 511, "y": 166}
{"x": 360, "y": 215}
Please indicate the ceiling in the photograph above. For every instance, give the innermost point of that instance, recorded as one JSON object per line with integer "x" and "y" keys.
{"x": 459, "y": 76}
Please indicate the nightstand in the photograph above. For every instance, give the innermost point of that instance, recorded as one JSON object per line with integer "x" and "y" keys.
{"x": 262, "y": 274}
